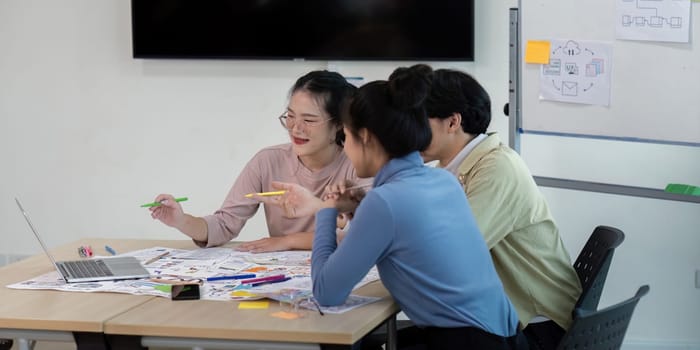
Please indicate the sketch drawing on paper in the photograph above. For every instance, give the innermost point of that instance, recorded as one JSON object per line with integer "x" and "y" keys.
{"x": 577, "y": 72}
{"x": 653, "y": 20}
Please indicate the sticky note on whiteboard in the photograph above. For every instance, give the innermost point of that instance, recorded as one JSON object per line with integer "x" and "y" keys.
{"x": 683, "y": 189}
{"x": 537, "y": 51}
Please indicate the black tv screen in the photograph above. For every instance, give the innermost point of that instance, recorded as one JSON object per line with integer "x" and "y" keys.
{"x": 435, "y": 30}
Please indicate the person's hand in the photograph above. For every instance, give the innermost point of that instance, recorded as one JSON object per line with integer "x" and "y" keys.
{"x": 345, "y": 196}
{"x": 269, "y": 244}
{"x": 169, "y": 211}
{"x": 296, "y": 202}
{"x": 342, "y": 220}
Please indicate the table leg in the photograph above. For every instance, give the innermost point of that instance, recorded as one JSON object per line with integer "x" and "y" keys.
{"x": 355, "y": 346}
{"x": 25, "y": 344}
{"x": 5, "y": 344}
{"x": 391, "y": 338}
{"x": 125, "y": 342}
{"x": 90, "y": 341}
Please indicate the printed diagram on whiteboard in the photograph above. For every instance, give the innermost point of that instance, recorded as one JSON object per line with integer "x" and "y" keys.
{"x": 653, "y": 20}
{"x": 578, "y": 72}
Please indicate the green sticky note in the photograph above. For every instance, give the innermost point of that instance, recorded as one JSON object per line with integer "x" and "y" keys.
{"x": 163, "y": 288}
{"x": 683, "y": 189}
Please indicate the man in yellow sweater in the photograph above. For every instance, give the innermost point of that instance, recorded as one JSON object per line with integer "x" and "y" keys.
{"x": 512, "y": 214}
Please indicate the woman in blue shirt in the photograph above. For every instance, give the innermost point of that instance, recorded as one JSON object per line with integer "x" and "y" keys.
{"x": 414, "y": 225}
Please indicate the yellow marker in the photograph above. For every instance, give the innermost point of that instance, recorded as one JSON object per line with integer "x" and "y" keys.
{"x": 256, "y": 269}
{"x": 265, "y": 194}
{"x": 537, "y": 51}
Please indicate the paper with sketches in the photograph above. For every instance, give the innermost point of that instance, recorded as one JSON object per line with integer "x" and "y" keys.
{"x": 291, "y": 258}
{"x": 578, "y": 72}
{"x": 653, "y": 20}
{"x": 53, "y": 281}
{"x": 197, "y": 265}
{"x": 206, "y": 254}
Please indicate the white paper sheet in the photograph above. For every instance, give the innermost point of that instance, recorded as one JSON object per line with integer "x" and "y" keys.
{"x": 195, "y": 266}
{"x": 653, "y": 20}
{"x": 578, "y": 72}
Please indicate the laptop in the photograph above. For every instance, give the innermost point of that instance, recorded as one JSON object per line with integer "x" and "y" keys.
{"x": 89, "y": 270}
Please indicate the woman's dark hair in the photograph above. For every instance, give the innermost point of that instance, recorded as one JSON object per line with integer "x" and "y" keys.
{"x": 457, "y": 92}
{"x": 394, "y": 111}
{"x": 331, "y": 91}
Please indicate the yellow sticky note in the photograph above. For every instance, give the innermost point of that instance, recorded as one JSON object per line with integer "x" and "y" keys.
{"x": 537, "y": 51}
{"x": 254, "y": 305}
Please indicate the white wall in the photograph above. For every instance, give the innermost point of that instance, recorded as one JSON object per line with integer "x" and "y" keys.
{"x": 87, "y": 134}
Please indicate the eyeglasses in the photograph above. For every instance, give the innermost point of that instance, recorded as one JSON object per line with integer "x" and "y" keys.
{"x": 289, "y": 121}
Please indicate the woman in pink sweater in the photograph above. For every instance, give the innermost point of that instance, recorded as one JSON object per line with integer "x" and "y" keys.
{"x": 313, "y": 159}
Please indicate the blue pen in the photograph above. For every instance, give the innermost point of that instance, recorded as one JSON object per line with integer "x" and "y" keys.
{"x": 110, "y": 250}
{"x": 234, "y": 277}
{"x": 272, "y": 281}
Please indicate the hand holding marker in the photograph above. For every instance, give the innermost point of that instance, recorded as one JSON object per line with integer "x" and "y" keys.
{"x": 155, "y": 204}
{"x": 347, "y": 190}
{"x": 279, "y": 193}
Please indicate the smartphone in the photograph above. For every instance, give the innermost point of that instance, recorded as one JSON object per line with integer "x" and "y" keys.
{"x": 185, "y": 292}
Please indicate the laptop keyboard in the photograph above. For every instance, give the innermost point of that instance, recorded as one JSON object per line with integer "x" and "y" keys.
{"x": 87, "y": 268}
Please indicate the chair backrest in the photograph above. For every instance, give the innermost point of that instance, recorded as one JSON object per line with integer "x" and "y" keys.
{"x": 602, "y": 329}
{"x": 593, "y": 263}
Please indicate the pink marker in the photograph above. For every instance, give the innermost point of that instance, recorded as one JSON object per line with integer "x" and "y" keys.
{"x": 263, "y": 279}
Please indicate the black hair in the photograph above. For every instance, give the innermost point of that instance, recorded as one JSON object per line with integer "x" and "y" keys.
{"x": 331, "y": 91}
{"x": 458, "y": 92}
{"x": 393, "y": 111}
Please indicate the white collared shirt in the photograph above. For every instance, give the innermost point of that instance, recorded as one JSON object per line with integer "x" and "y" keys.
{"x": 453, "y": 166}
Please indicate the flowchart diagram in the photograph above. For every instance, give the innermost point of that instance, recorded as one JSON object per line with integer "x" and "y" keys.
{"x": 653, "y": 20}
{"x": 651, "y": 17}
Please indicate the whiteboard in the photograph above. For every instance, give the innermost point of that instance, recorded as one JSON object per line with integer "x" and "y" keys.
{"x": 654, "y": 89}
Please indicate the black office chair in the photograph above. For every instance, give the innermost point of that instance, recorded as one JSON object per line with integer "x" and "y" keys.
{"x": 593, "y": 263}
{"x": 602, "y": 329}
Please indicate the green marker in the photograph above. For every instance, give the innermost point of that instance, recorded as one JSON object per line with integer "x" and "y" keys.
{"x": 155, "y": 204}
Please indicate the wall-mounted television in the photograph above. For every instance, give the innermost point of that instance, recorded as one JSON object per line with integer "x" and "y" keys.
{"x": 427, "y": 30}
